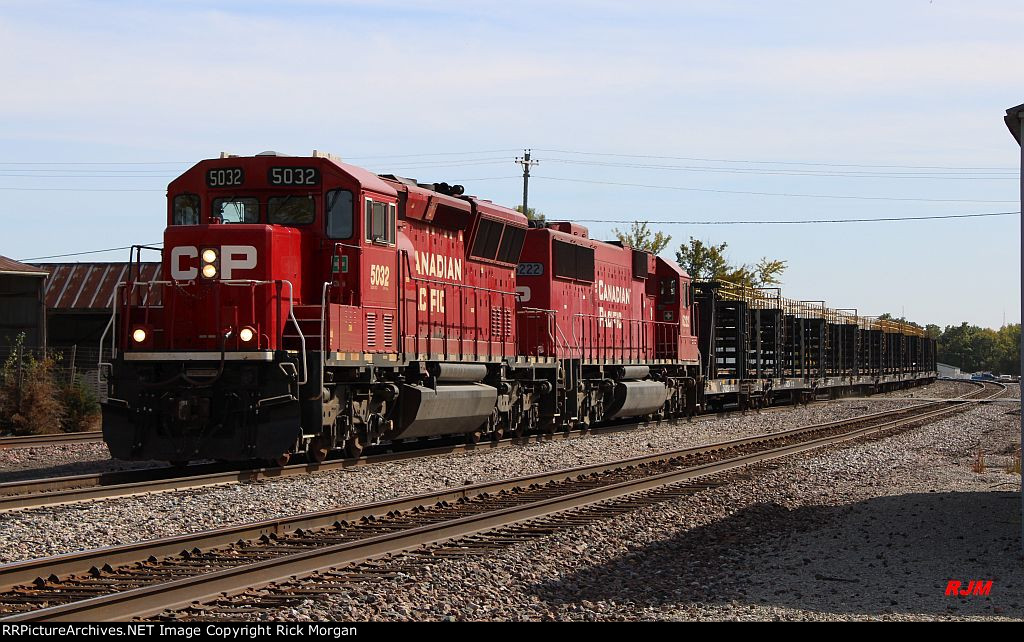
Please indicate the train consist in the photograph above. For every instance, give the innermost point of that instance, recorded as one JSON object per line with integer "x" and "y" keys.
{"x": 310, "y": 305}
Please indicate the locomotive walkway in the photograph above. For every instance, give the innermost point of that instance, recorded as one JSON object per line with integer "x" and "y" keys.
{"x": 147, "y": 579}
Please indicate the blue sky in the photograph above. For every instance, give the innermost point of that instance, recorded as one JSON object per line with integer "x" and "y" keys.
{"x": 891, "y": 88}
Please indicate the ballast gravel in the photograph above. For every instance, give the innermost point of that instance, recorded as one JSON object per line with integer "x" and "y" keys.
{"x": 871, "y": 531}
{"x": 62, "y": 529}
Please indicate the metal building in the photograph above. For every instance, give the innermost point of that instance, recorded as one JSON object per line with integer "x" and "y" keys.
{"x": 80, "y": 298}
{"x": 22, "y": 304}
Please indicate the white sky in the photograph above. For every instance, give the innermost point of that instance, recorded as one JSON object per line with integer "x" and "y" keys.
{"x": 913, "y": 83}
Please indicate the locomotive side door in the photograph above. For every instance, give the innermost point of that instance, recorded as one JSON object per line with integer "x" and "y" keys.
{"x": 379, "y": 274}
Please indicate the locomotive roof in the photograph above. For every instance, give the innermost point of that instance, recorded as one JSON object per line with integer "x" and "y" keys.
{"x": 424, "y": 193}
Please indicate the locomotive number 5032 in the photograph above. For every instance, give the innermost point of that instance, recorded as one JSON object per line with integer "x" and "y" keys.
{"x": 294, "y": 176}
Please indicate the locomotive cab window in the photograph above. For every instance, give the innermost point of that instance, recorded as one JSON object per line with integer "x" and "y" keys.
{"x": 291, "y": 210}
{"x": 186, "y": 210}
{"x": 668, "y": 290}
{"x": 236, "y": 210}
{"x": 380, "y": 222}
{"x": 339, "y": 214}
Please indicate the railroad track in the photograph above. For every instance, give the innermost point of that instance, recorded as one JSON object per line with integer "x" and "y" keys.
{"x": 28, "y": 441}
{"x": 147, "y": 579}
{"x": 36, "y": 493}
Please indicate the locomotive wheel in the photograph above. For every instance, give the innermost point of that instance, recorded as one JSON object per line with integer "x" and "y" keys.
{"x": 316, "y": 450}
{"x": 281, "y": 460}
{"x": 474, "y": 437}
{"x": 354, "y": 447}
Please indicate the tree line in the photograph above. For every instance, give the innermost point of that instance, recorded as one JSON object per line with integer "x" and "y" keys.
{"x": 975, "y": 349}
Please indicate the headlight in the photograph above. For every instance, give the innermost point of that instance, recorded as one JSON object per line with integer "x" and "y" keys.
{"x": 246, "y": 335}
{"x": 209, "y": 256}
{"x": 209, "y": 271}
{"x": 139, "y": 335}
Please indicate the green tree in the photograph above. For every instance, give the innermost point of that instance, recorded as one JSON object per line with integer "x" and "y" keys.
{"x": 970, "y": 347}
{"x": 641, "y": 238}
{"x": 531, "y": 214}
{"x": 701, "y": 261}
{"x": 1008, "y": 350}
{"x": 706, "y": 261}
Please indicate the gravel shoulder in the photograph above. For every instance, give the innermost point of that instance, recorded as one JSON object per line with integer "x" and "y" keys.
{"x": 872, "y": 531}
{"x": 61, "y": 529}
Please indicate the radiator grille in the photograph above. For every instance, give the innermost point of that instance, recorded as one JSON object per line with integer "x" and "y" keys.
{"x": 388, "y": 323}
{"x": 371, "y": 329}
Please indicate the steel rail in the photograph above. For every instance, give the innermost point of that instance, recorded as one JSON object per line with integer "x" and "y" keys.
{"x": 114, "y": 605}
{"x": 156, "y": 598}
{"x": 35, "y": 493}
{"x": 28, "y": 441}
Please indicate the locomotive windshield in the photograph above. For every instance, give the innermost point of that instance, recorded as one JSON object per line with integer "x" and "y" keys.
{"x": 236, "y": 210}
{"x": 291, "y": 210}
{"x": 186, "y": 209}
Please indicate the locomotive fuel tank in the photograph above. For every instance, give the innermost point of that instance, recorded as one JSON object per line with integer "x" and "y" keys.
{"x": 446, "y": 409}
{"x": 635, "y": 398}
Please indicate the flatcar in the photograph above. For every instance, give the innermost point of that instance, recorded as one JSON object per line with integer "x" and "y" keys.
{"x": 311, "y": 305}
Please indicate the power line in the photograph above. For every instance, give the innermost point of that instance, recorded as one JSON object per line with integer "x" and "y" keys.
{"x": 785, "y": 194}
{"x": 87, "y": 176}
{"x": 804, "y": 222}
{"x": 77, "y": 189}
{"x": 789, "y": 172}
{"x": 623, "y": 221}
{"x": 772, "y": 162}
{"x": 61, "y": 256}
{"x": 568, "y": 151}
{"x": 489, "y": 151}
{"x": 97, "y": 163}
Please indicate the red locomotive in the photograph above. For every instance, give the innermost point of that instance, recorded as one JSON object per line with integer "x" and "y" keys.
{"x": 310, "y": 304}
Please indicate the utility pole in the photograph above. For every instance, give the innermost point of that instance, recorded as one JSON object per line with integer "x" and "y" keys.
{"x": 525, "y": 161}
{"x": 1015, "y": 123}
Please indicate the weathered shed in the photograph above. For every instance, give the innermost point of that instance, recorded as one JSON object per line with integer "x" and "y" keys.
{"x": 22, "y": 304}
{"x": 80, "y": 298}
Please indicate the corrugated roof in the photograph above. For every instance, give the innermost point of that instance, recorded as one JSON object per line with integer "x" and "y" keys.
{"x": 90, "y": 286}
{"x": 10, "y": 266}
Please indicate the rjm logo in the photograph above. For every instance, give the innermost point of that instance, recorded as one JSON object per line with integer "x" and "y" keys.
{"x": 229, "y": 258}
{"x": 974, "y": 587}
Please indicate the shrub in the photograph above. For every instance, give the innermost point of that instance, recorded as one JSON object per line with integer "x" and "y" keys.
{"x": 33, "y": 407}
{"x": 81, "y": 407}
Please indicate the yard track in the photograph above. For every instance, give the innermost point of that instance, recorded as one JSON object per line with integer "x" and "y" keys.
{"x": 146, "y": 579}
{"x": 30, "y": 441}
{"x": 35, "y": 493}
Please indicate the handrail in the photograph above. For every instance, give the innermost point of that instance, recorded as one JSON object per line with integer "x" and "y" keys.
{"x": 291, "y": 315}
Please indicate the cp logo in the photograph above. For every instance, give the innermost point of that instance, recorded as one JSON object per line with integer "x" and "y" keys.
{"x": 228, "y": 257}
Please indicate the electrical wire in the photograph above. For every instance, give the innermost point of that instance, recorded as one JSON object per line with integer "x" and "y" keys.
{"x": 61, "y": 256}
{"x": 806, "y": 221}
{"x": 784, "y": 194}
